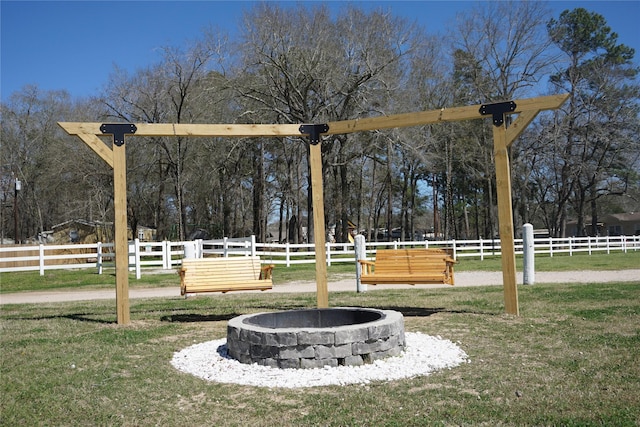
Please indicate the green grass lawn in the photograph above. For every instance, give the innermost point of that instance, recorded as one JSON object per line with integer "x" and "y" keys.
{"x": 571, "y": 358}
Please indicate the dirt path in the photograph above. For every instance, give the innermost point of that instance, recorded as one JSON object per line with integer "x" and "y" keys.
{"x": 474, "y": 278}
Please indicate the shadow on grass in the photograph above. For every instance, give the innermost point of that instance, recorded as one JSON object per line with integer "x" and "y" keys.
{"x": 426, "y": 311}
{"x": 406, "y": 311}
{"x": 189, "y": 315}
{"x": 80, "y": 317}
{"x": 247, "y": 308}
{"x": 192, "y": 317}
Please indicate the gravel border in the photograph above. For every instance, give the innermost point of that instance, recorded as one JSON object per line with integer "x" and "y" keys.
{"x": 423, "y": 355}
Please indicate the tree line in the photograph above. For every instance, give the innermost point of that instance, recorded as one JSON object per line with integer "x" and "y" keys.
{"x": 304, "y": 64}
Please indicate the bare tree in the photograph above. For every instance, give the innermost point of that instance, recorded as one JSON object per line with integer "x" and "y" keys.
{"x": 508, "y": 47}
{"x": 171, "y": 91}
{"x": 502, "y": 52}
{"x": 308, "y": 68}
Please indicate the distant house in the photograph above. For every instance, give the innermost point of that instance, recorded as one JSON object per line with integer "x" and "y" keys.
{"x": 79, "y": 231}
{"x": 627, "y": 224}
{"x": 82, "y": 231}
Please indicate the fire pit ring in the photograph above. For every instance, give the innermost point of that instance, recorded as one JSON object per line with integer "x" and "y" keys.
{"x": 314, "y": 338}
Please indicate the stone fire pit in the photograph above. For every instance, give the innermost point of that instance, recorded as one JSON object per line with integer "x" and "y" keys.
{"x": 315, "y": 338}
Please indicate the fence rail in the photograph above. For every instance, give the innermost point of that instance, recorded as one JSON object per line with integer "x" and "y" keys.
{"x": 167, "y": 255}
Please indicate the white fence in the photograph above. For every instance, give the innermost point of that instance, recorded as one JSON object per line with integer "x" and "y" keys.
{"x": 167, "y": 255}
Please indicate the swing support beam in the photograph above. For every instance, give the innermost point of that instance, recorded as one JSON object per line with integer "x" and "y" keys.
{"x": 503, "y": 136}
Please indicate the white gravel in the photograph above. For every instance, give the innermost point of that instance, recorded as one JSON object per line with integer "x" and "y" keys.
{"x": 423, "y": 354}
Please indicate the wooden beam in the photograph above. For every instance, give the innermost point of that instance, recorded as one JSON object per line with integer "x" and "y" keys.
{"x": 340, "y": 127}
{"x": 405, "y": 120}
{"x": 98, "y": 146}
{"x": 442, "y": 115}
{"x": 121, "y": 241}
{"x": 192, "y": 130}
{"x": 551, "y": 102}
{"x": 505, "y": 219}
{"x": 519, "y": 125}
{"x": 315, "y": 161}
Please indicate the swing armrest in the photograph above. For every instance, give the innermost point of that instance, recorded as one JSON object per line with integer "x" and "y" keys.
{"x": 367, "y": 266}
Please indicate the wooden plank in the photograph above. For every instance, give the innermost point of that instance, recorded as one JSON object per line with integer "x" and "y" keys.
{"x": 261, "y": 285}
{"x": 227, "y": 284}
{"x": 410, "y": 260}
{"x": 410, "y": 277}
{"x": 431, "y": 280}
{"x": 409, "y": 269}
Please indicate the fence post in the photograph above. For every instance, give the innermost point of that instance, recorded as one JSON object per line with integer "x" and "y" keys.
{"x": 136, "y": 256}
{"x": 41, "y": 257}
{"x": 551, "y": 247}
{"x": 359, "y": 245}
{"x": 199, "y": 248}
{"x": 99, "y": 257}
{"x": 528, "y": 251}
{"x": 327, "y": 251}
{"x": 166, "y": 256}
{"x": 254, "y": 250}
{"x": 570, "y": 247}
{"x": 287, "y": 253}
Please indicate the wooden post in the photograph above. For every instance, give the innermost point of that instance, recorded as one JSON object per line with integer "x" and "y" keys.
{"x": 120, "y": 224}
{"x": 505, "y": 219}
{"x": 319, "y": 232}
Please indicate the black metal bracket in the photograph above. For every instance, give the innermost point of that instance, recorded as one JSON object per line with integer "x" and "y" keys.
{"x": 118, "y": 130}
{"x": 314, "y": 132}
{"x": 498, "y": 110}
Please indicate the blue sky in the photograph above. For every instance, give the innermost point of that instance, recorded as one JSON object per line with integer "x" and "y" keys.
{"x": 74, "y": 45}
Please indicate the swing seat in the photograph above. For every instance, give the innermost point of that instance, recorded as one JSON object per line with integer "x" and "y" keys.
{"x": 409, "y": 267}
{"x": 224, "y": 274}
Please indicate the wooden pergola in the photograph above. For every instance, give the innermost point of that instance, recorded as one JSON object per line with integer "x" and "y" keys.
{"x": 503, "y": 136}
